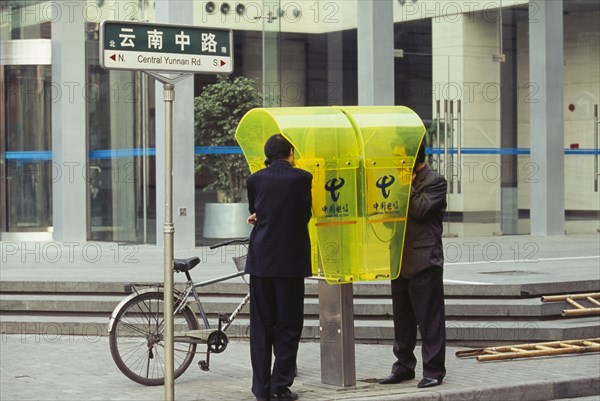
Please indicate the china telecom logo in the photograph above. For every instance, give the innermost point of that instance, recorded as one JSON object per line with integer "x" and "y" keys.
{"x": 384, "y": 183}
{"x": 333, "y": 186}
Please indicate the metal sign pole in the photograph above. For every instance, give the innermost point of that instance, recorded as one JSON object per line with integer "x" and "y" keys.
{"x": 168, "y": 231}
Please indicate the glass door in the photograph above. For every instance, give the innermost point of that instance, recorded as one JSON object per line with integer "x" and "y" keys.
{"x": 582, "y": 164}
{"x": 466, "y": 94}
{"x": 469, "y": 138}
{"x": 26, "y": 169}
{"x": 121, "y": 193}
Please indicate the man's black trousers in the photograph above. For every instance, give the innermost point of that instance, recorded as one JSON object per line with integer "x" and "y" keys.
{"x": 276, "y": 320}
{"x": 419, "y": 301}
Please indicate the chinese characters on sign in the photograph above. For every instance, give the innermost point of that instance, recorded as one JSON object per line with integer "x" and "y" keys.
{"x": 387, "y": 207}
{"x": 336, "y": 210}
{"x": 155, "y": 40}
{"x": 127, "y": 36}
{"x": 160, "y": 47}
{"x": 183, "y": 40}
{"x": 208, "y": 42}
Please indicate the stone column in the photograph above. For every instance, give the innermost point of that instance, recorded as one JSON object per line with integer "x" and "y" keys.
{"x": 546, "y": 58}
{"x": 69, "y": 189}
{"x": 375, "y": 53}
{"x": 177, "y": 12}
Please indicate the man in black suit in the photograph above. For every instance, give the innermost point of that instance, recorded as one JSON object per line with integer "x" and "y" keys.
{"x": 278, "y": 261}
{"x": 418, "y": 293}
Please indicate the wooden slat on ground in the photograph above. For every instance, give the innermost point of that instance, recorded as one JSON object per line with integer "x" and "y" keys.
{"x": 532, "y": 350}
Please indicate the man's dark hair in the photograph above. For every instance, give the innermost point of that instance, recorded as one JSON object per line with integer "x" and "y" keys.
{"x": 277, "y": 147}
{"x": 421, "y": 153}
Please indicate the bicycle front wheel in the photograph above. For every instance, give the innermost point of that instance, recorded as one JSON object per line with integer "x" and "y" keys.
{"x": 137, "y": 339}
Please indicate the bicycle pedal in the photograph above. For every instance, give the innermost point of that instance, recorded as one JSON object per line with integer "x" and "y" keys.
{"x": 204, "y": 366}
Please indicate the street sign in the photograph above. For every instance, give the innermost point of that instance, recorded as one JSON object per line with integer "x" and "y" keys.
{"x": 128, "y": 45}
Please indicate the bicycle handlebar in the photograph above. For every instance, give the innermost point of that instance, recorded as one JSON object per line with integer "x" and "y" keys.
{"x": 229, "y": 242}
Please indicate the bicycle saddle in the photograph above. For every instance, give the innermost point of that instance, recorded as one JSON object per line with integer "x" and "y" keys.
{"x": 184, "y": 265}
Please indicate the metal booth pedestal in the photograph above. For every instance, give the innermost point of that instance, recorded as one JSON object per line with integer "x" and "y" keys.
{"x": 336, "y": 333}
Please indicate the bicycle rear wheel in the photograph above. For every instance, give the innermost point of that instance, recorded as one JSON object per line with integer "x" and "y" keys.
{"x": 137, "y": 339}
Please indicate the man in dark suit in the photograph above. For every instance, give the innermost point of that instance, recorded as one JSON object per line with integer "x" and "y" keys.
{"x": 278, "y": 261}
{"x": 418, "y": 293}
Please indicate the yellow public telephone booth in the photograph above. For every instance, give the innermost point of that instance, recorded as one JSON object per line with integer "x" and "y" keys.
{"x": 361, "y": 159}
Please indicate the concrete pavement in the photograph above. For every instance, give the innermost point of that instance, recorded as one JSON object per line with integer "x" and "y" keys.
{"x": 80, "y": 368}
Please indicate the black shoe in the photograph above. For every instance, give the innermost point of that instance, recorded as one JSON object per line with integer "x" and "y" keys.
{"x": 262, "y": 399}
{"x": 397, "y": 378}
{"x": 429, "y": 382}
{"x": 287, "y": 395}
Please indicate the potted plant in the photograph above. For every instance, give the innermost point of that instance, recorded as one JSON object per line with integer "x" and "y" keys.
{"x": 217, "y": 113}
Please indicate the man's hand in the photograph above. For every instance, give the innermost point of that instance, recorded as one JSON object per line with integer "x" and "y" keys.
{"x": 251, "y": 219}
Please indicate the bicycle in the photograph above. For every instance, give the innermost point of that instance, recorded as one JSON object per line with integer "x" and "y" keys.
{"x": 136, "y": 325}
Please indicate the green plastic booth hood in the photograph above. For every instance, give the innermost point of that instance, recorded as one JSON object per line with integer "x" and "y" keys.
{"x": 361, "y": 159}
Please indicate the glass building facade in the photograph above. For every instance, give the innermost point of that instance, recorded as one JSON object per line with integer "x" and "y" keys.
{"x": 464, "y": 67}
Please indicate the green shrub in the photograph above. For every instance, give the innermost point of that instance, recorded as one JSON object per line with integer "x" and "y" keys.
{"x": 217, "y": 113}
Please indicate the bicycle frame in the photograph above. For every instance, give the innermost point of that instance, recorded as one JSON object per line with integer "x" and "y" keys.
{"x": 191, "y": 288}
{"x": 183, "y": 301}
